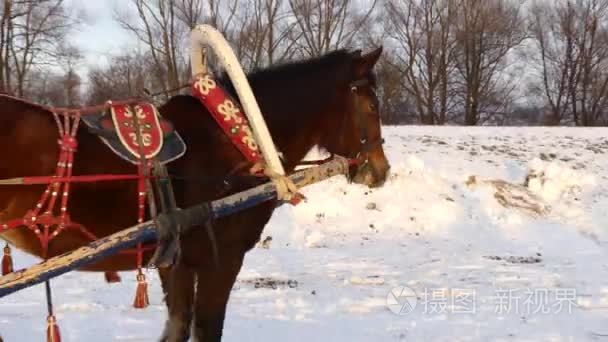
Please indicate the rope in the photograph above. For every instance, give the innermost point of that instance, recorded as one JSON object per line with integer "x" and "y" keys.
{"x": 286, "y": 189}
{"x": 165, "y": 92}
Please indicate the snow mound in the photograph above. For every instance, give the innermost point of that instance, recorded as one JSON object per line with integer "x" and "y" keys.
{"x": 481, "y": 261}
{"x": 553, "y": 180}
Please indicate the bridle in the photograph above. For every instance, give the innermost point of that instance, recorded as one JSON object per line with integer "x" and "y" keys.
{"x": 361, "y": 157}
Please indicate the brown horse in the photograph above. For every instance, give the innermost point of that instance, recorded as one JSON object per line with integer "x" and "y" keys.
{"x": 327, "y": 102}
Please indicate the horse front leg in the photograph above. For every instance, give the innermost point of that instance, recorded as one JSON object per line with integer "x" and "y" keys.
{"x": 212, "y": 294}
{"x": 178, "y": 287}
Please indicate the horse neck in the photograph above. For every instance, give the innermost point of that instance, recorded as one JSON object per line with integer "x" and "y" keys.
{"x": 294, "y": 139}
{"x": 303, "y": 105}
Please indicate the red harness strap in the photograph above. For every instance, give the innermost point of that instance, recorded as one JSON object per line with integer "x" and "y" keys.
{"x": 34, "y": 219}
{"x": 229, "y": 116}
{"x": 42, "y": 218}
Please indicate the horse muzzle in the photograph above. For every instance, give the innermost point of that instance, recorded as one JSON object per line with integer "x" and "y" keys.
{"x": 367, "y": 173}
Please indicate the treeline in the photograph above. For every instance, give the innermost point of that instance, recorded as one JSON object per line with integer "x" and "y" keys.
{"x": 470, "y": 62}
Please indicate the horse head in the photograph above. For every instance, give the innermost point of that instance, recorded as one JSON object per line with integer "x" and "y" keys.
{"x": 360, "y": 135}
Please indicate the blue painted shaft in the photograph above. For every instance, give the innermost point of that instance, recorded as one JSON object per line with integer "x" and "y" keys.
{"x": 146, "y": 232}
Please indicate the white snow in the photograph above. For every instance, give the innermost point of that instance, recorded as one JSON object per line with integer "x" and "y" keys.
{"x": 480, "y": 271}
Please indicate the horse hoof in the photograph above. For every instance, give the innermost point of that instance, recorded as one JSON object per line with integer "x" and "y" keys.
{"x": 112, "y": 277}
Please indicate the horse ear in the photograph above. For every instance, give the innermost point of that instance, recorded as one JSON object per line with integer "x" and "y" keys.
{"x": 365, "y": 63}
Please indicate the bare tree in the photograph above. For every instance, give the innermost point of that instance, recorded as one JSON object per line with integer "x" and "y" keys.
{"x": 58, "y": 87}
{"x": 278, "y": 47}
{"x": 486, "y": 31}
{"x": 190, "y": 12}
{"x": 5, "y": 41}
{"x": 552, "y": 30}
{"x": 31, "y": 34}
{"x": 396, "y": 105}
{"x": 422, "y": 31}
{"x": 591, "y": 97}
{"x": 125, "y": 76}
{"x": 572, "y": 45}
{"x": 325, "y": 25}
{"x": 70, "y": 80}
{"x": 262, "y": 34}
{"x": 161, "y": 27}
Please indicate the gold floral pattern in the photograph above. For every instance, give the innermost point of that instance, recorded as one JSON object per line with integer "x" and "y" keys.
{"x": 139, "y": 111}
{"x": 230, "y": 111}
{"x": 248, "y": 138}
{"x": 205, "y": 84}
{"x": 228, "y": 114}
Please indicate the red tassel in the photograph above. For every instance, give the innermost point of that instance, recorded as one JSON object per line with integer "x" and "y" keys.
{"x": 7, "y": 261}
{"x": 52, "y": 330}
{"x": 297, "y": 199}
{"x": 141, "y": 295}
{"x": 112, "y": 277}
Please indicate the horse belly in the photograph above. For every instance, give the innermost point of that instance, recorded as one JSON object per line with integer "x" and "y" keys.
{"x": 16, "y": 202}
{"x": 100, "y": 209}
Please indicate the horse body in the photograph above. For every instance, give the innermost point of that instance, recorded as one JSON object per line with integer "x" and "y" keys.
{"x": 304, "y": 104}
{"x": 29, "y": 134}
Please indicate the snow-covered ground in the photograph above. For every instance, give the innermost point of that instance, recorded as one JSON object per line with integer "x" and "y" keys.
{"x": 431, "y": 256}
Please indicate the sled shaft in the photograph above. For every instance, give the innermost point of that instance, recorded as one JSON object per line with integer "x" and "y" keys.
{"x": 146, "y": 231}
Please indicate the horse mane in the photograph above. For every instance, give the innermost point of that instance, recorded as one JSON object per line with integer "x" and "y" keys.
{"x": 298, "y": 69}
{"x": 289, "y": 87}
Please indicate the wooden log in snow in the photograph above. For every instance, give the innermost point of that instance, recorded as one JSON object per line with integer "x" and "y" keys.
{"x": 513, "y": 196}
{"x": 146, "y": 231}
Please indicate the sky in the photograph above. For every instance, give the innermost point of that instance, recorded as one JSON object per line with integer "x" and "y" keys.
{"x": 100, "y": 35}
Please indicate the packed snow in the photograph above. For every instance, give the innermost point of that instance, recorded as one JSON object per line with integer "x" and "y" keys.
{"x": 479, "y": 234}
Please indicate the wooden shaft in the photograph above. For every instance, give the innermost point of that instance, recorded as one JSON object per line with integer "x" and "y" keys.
{"x": 146, "y": 231}
{"x": 203, "y": 35}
